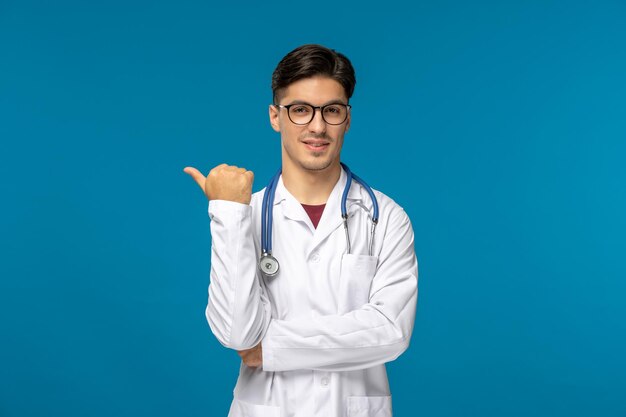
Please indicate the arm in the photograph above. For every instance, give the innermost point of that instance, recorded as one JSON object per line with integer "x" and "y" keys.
{"x": 238, "y": 310}
{"x": 375, "y": 333}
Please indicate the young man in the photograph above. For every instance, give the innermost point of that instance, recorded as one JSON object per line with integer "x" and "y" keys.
{"x": 313, "y": 337}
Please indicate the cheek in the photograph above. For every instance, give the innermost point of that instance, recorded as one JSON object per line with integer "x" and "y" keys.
{"x": 339, "y": 136}
{"x": 339, "y": 145}
{"x": 290, "y": 136}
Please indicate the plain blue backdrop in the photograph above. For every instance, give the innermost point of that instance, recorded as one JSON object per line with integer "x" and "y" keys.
{"x": 500, "y": 127}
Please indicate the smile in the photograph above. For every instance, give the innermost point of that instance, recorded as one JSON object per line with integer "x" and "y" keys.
{"x": 316, "y": 145}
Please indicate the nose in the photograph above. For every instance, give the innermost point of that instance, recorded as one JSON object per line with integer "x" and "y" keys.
{"x": 317, "y": 125}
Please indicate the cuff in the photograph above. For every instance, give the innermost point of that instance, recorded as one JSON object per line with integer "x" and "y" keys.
{"x": 220, "y": 208}
{"x": 268, "y": 358}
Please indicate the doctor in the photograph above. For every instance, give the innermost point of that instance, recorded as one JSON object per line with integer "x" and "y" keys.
{"x": 314, "y": 337}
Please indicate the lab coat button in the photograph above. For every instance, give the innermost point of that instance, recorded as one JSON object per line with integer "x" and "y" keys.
{"x": 324, "y": 381}
{"x": 315, "y": 257}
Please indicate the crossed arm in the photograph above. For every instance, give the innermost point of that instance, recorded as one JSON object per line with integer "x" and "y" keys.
{"x": 239, "y": 312}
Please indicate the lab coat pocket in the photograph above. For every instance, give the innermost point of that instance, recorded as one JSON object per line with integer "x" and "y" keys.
{"x": 244, "y": 409}
{"x": 355, "y": 280}
{"x": 369, "y": 406}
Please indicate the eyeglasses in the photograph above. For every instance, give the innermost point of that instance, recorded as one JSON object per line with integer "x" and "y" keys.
{"x": 302, "y": 114}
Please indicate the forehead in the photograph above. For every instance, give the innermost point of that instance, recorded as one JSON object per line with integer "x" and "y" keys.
{"x": 316, "y": 90}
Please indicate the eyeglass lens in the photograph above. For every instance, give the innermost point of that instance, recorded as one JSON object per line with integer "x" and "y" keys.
{"x": 334, "y": 114}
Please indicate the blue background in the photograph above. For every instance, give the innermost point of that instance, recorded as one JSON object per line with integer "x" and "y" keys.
{"x": 499, "y": 126}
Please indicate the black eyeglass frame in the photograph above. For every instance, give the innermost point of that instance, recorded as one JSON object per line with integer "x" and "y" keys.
{"x": 321, "y": 108}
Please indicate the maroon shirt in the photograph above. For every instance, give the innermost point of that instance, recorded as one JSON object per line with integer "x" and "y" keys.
{"x": 314, "y": 212}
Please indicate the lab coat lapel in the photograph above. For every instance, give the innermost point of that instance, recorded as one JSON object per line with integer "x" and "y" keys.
{"x": 331, "y": 217}
{"x": 289, "y": 206}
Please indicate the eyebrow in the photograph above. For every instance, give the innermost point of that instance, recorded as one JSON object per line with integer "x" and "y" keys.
{"x": 334, "y": 101}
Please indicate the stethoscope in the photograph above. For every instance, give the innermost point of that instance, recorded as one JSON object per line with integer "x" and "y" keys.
{"x": 267, "y": 263}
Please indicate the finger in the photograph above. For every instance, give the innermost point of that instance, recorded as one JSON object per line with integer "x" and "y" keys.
{"x": 235, "y": 168}
{"x": 196, "y": 175}
{"x": 217, "y": 169}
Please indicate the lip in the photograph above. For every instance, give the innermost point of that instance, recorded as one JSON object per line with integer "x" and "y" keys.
{"x": 309, "y": 145}
{"x": 315, "y": 142}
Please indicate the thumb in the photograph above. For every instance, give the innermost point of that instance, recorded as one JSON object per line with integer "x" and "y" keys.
{"x": 196, "y": 175}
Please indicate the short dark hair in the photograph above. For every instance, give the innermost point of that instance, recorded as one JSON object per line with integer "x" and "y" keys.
{"x": 310, "y": 60}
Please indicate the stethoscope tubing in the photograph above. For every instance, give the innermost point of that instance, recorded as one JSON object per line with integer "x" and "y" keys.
{"x": 267, "y": 214}
{"x": 268, "y": 205}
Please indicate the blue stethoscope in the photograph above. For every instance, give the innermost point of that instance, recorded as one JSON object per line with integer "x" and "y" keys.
{"x": 267, "y": 263}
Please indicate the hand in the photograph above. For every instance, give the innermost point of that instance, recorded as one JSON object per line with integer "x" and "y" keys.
{"x": 225, "y": 182}
{"x": 252, "y": 357}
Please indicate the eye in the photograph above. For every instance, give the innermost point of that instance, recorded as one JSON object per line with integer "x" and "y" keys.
{"x": 333, "y": 109}
{"x": 300, "y": 109}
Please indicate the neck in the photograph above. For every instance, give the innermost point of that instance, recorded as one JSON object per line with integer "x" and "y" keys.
{"x": 308, "y": 186}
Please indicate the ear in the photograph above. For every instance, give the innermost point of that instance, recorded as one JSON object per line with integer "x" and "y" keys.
{"x": 274, "y": 121}
{"x": 348, "y": 120}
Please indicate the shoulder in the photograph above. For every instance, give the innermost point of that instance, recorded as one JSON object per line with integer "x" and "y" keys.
{"x": 389, "y": 210}
{"x": 257, "y": 197}
{"x": 257, "y": 201}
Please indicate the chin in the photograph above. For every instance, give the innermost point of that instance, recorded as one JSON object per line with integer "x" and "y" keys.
{"x": 316, "y": 165}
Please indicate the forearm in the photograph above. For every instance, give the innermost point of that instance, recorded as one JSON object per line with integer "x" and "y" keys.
{"x": 376, "y": 331}
{"x": 362, "y": 338}
{"x": 238, "y": 310}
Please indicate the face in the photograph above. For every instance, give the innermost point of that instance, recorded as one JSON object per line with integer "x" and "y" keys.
{"x": 298, "y": 141}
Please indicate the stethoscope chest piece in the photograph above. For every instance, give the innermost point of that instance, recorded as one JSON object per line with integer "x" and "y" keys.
{"x": 268, "y": 265}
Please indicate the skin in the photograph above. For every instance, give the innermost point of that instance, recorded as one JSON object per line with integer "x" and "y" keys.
{"x": 309, "y": 175}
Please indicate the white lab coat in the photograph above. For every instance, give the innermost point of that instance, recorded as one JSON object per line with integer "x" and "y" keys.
{"x": 329, "y": 320}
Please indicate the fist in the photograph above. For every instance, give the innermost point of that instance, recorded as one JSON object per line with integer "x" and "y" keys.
{"x": 225, "y": 182}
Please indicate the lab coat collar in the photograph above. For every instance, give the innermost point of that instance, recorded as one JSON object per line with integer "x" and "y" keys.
{"x": 331, "y": 216}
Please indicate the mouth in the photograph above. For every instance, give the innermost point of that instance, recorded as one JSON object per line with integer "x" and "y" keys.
{"x": 316, "y": 145}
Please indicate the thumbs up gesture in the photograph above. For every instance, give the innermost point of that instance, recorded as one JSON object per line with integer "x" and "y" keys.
{"x": 225, "y": 182}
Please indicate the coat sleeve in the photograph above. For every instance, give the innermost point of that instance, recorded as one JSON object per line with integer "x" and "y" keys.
{"x": 377, "y": 332}
{"x": 238, "y": 309}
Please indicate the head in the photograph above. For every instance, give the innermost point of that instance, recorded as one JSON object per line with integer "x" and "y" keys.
{"x": 318, "y": 76}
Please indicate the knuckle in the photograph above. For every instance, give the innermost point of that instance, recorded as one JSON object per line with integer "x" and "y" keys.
{"x": 219, "y": 169}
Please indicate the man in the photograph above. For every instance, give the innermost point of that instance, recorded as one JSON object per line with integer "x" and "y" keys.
{"x": 313, "y": 338}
